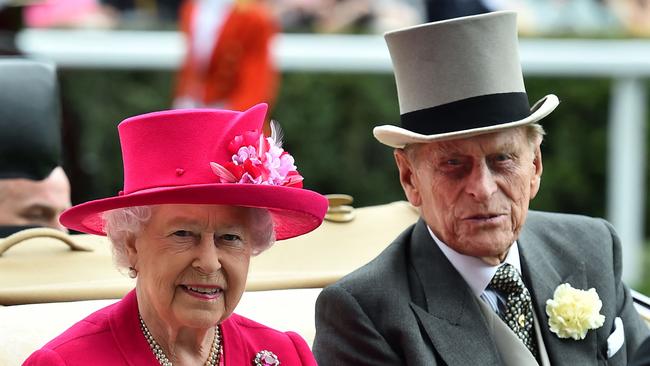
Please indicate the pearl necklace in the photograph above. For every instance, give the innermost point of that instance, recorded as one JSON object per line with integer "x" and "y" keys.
{"x": 215, "y": 351}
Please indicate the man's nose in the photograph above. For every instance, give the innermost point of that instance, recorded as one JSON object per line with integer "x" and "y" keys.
{"x": 481, "y": 184}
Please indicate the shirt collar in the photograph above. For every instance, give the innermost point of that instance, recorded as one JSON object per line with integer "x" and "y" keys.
{"x": 474, "y": 271}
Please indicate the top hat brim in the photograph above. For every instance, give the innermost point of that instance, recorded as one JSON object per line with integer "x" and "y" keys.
{"x": 295, "y": 211}
{"x": 398, "y": 137}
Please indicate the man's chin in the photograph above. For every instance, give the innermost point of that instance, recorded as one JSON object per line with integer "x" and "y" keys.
{"x": 488, "y": 247}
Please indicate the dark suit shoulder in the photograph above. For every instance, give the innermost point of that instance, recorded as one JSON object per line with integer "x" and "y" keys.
{"x": 569, "y": 232}
{"x": 543, "y": 219}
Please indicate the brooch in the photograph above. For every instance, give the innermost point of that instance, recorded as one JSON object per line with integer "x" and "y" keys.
{"x": 266, "y": 358}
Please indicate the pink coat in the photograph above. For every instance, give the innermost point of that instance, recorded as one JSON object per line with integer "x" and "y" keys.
{"x": 112, "y": 336}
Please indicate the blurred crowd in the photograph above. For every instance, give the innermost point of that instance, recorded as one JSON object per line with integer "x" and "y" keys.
{"x": 581, "y": 17}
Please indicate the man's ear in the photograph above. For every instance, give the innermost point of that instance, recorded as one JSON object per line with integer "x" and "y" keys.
{"x": 536, "y": 179}
{"x": 407, "y": 177}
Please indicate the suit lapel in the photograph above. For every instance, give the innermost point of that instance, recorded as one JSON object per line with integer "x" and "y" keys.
{"x": 451, "y": 316}
{"x": 543, "y": 273}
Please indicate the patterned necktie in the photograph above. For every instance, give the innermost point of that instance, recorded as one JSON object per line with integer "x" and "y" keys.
{"x": 518, "y": 313}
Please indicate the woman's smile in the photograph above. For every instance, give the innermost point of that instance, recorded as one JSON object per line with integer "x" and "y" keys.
{"x": 203, "y": 292}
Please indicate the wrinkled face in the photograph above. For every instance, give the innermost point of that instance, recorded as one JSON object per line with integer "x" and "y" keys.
{"x": 192, "y": 262}
{"x": 40, "y": 203}
{"x": 474, "y": 192}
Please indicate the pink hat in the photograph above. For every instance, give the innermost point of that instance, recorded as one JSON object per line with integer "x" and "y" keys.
{"x": 206, "y": 156}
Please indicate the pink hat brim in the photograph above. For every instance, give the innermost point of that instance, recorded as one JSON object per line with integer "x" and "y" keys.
{"x": 295, "y": 211}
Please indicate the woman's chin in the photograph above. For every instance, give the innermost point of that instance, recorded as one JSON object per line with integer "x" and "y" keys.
{"x": 200, "y": 318}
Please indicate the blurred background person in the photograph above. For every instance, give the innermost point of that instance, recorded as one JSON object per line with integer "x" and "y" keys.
{"x": 344, "y": 15}
{"x": 69, "y": 14}
{"x": 446, "y": 9}
{"x": 26, "y": 203}
{"x": 146, "y": 13}
{"x": 392, "y": 14}
{"x": 34, "y": 189}
{"x": 561, "y": 17}
{"x": 347, "y": 16}
{"x": 228, "y": 63}
{"x": 11, "y": 21}
{"x": 634, "y": 15}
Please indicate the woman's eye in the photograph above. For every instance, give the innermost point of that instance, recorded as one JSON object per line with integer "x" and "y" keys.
{"x": 230, "y": 238}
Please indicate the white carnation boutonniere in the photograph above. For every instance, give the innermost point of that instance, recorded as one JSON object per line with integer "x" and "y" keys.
{"x": 573, "y": 312}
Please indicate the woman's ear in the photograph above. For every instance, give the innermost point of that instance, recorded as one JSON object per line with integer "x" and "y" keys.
{"x": 407, "y": 178}
{"x": 131, "y": 250}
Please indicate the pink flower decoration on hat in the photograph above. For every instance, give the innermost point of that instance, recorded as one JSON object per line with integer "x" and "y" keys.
{"x": 259, "y": 160}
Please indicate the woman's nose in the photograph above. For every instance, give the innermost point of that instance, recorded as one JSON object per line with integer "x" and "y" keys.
{"x": 207, "y": 259}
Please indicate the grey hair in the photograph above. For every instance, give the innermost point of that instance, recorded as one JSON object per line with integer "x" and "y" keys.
{"x": 122, "y": 224}
{"x": 535, "y": 131}
{"x": 263, "y": 229}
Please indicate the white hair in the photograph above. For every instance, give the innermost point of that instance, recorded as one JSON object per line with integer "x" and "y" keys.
{"x": 122, "y": 224}
{"x": 535, "y": 131}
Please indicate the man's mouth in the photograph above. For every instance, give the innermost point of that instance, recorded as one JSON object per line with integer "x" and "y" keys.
{"x": 484, "y": 217}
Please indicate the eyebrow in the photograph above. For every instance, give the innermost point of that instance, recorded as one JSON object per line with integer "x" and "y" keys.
{"x": 47, "y": 210}
{"x": 508, "y": 145}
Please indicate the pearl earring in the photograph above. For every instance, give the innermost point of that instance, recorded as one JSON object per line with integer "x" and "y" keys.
{"x": 133, "y": 273}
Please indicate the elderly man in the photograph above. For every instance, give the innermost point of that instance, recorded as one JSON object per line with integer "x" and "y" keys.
{"x": 34, "y": 189}
{"x": 478, "y": 280}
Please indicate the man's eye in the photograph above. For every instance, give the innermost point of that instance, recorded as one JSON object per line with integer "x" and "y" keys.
{"x": 502, "y": 157}
{"x": 453, "y": 162}
{"x": 182, "y": 233}
{"x": 38, "y": 215}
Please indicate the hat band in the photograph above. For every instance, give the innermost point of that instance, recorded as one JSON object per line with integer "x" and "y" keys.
{"x": 467, "y": 114}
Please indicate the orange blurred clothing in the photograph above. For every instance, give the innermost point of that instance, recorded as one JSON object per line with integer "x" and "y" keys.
{"x": 240, "y": 71}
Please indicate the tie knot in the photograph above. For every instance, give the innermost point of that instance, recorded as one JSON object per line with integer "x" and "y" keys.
{"x": 508, "y": 280}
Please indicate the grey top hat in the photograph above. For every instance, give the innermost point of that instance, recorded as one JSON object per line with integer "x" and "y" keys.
{"x": 457, "y": 78}
{"x": 30, "y": 122}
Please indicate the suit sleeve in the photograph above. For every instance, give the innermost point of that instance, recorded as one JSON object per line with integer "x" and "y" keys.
{"x": 635, "y": 328}
{"x": 345, "y": 335}
{"x": 642, "y": 355}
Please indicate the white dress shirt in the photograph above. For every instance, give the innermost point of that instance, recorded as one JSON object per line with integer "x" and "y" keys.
{"x": 477, "y": 273}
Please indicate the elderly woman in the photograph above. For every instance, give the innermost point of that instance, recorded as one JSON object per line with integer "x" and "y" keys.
{"x": 204, "y": 190}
